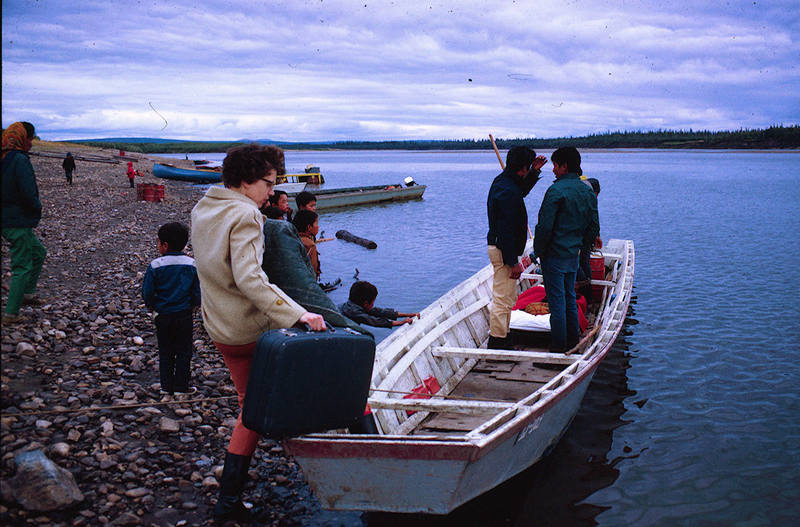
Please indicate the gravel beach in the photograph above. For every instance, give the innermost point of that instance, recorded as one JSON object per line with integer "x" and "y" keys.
{"x": 92, "y": 344}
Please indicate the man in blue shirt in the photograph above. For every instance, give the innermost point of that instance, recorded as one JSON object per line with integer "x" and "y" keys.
{"x": 567, "y": 221}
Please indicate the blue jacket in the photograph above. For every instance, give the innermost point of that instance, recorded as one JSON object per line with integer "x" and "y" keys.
{"x": 377, "y": 316}
{"x": 170, "y": 284}
{"x": 508, "y": 217}
{"x": 21, "y": 205}
{"x": 567, "y": 219}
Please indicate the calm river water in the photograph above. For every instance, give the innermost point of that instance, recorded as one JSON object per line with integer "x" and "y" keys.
{"x": 694, "y": 419}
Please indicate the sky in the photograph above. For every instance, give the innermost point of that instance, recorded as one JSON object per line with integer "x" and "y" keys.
{"x": 326, "y": 70}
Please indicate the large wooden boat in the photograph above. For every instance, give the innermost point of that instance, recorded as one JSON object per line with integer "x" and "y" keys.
{"x": 347, "y": 197}
{"x": 456, "y": 419}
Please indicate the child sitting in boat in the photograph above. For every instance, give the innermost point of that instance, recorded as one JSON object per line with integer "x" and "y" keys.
{"x": 307, "y": 224}
{"x": 361, "y": 308}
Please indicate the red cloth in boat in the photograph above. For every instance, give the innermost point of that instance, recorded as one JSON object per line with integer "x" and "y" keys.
{"x": 537, "y": 294}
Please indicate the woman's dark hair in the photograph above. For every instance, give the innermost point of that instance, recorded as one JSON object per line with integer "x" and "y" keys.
{"x": 363, "y": 292}
{"x": 249, "y": 163}
{"x": 29, "y": 129}
{"x": 304, "y": 198}
{"x": 570, "y": 156}
{"x": 175, "y": 235}
{"x": 276, "y": 197}
{"x": 305, "y": 218}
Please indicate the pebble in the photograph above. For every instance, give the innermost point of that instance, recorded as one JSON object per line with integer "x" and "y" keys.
{"x": 138, "y": 492}
{"x": 60, "y": 449}
{"x": 210, "y": 482}
{"x": 169, "y": 425}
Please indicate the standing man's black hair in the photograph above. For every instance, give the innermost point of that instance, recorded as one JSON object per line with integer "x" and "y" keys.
{"x": 519, "y": 157}
{"x": 570, "y": 156}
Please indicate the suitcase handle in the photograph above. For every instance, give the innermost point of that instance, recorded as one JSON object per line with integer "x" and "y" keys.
{"x": 328, "y": 329}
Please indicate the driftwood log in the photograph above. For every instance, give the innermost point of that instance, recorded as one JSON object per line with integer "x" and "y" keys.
{"x": 346, "y": 236}
{"x": 82, "y": 157}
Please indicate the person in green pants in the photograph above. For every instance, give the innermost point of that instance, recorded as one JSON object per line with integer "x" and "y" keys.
{"x": 21, "y": 212}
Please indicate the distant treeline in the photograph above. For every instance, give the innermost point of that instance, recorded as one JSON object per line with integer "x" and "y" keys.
{"x": 772, "y": 137}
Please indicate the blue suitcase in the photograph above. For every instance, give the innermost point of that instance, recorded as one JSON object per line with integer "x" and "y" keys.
{"x": 305, "y": 381}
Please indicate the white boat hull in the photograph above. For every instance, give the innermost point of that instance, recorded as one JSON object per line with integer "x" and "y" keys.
{"x": 426, "y": 485}
{"x": 408, "y": 468}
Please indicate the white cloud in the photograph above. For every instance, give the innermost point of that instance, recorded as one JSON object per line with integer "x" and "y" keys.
{"x": 335, "y": 70}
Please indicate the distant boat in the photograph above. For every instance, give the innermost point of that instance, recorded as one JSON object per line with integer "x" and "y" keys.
{"x": 311, "y": 175}
{"x": 210, "y": 176}
{"x": 198, "y": 175}
{"x": 210, "y": 173}
{"x": 456, "y": 419}
{"x": 348, "y": 197}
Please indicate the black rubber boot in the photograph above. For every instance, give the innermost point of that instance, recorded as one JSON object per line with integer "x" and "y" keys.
{"x": 234, "y": 475}
{"x": 497, "y": 343}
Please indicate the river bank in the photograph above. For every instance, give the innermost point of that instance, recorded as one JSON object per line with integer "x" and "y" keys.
{"x": 92, "y": 344}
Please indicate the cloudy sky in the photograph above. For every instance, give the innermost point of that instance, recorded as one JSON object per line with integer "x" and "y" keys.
{"x": 316, "y": 70}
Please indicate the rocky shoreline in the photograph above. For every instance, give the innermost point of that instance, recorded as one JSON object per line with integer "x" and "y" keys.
{"x": 137, "y": 461}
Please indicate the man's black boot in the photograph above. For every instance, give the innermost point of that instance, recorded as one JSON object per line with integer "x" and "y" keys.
{"x": 497, "y": 343}
{"x": 234, "y": 475}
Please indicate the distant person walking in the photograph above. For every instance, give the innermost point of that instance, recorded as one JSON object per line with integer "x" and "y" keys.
{"x": 69, "y": 167}
{"x": 22, "y": 211}
{"x": 131, "y": 173}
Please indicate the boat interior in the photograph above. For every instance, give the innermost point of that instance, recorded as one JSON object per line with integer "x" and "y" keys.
{"x": 436, "y": 379}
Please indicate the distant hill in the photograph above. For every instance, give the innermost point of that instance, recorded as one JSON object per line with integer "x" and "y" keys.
{"x": 772, "y": 137}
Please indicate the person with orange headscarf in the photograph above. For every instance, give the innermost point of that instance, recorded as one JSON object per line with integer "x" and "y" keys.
{"x": 21, "y": 212}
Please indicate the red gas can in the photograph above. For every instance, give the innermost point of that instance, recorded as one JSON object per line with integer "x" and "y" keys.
{"x": 598, "y": 264}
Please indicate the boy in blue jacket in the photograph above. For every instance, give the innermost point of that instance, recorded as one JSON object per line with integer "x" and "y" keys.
{"x": 172, "y": 289}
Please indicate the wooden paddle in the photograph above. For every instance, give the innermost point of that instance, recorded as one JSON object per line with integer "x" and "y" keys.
{"x": 497, "y": 152}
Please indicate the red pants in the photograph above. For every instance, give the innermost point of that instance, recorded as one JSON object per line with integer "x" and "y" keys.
{"x": 238, "y": 358}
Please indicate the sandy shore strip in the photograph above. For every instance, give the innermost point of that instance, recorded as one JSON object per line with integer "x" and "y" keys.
{"x": 92, "y": 344}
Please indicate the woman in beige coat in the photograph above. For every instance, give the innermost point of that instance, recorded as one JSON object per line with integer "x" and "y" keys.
{"x": 238, "y": 302}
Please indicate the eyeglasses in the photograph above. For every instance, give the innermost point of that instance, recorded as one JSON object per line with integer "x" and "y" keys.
{"x": 269, "y": 182}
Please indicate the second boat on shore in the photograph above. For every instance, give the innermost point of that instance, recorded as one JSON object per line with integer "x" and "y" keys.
{"x": 211, "y": 173}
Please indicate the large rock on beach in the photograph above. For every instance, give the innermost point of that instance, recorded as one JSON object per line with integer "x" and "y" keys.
{"x": 41, "y": 485}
